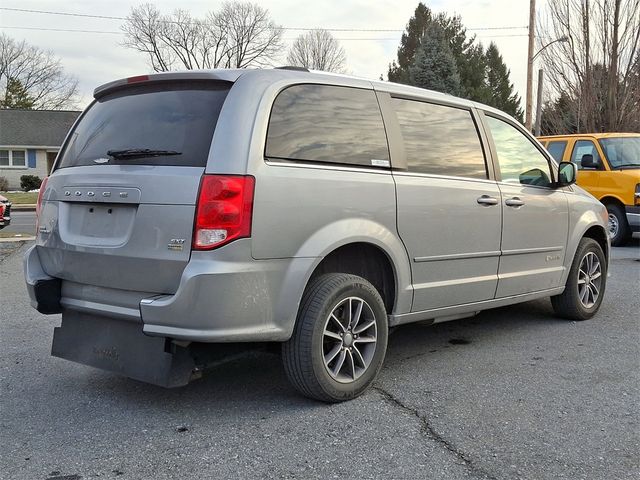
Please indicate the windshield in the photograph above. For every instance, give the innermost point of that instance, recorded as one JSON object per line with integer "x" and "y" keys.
{"x": 162, "y": 123}
{"x": 622, "y": 151}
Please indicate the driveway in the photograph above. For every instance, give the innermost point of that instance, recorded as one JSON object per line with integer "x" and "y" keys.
{"x": 512, "y": 393}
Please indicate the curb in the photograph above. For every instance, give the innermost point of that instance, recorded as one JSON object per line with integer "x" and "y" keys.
{"x": 23, "y": 207}
{"x": 17, "y": 239}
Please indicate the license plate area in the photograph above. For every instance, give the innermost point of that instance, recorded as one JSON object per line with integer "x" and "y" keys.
{"x": 96, "y": 224}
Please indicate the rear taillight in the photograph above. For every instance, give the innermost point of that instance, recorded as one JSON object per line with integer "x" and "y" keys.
{"x": 223, "y": 212}
{"x": 43, "y": 186}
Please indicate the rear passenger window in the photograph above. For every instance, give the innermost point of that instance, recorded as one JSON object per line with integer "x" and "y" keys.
{"x": 556, "y": 149}
{"x": 321, "y": 123}
{"x": 440, "y": 140}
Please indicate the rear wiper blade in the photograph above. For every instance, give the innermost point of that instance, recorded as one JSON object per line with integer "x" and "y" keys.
{"x": 140, "y": 152}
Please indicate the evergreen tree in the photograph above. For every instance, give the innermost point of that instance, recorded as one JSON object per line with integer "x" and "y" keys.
{"x": 434, "y": 65}
{"x": 473, "y": 73}
{"x": 481, "y": 76}
{"x": 499, "y": 87}
{"x": 16, "y": 96}
{"x": 468, "y": 58}
{"x": 422, "y": 18}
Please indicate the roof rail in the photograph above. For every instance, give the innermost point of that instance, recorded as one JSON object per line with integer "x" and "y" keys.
{"x": 293, "y": 67}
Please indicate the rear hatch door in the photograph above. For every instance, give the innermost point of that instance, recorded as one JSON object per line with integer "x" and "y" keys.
{"x": 118, "y": 210}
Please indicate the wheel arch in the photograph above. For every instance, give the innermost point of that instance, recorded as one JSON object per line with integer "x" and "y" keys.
{"x": 589, "y": 228}
{"x": 609, "y": 199}
{"x": 599, "y": 234}
{"x": 342, "y": 239}
{"x": 367, "y": 261}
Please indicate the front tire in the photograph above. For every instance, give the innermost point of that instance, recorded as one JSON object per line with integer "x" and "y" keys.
{"x": 585, "y": 285}
{"x": 339, "y": 340}
{"x": 619, "y": 231}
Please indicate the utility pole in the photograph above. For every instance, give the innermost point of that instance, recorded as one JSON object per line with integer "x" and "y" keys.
{"x": 539, "y": 103}
{"x": 532, "y": 38}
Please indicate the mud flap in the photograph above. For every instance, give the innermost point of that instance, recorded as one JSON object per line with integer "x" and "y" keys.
{"x": 120, "y": 346}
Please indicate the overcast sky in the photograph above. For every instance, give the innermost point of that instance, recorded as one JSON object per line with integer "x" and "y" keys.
{"x": 96, "y": 58}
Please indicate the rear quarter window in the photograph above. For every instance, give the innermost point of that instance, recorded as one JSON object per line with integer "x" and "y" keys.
{"x": 327, "y": 124}
{"x": 170, "y": 116}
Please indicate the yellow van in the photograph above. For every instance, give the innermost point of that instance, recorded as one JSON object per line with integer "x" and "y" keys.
{"x": 609, "y": 169}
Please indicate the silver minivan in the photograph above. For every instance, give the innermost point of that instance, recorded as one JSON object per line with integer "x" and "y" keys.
{"x": 188, "y": 210}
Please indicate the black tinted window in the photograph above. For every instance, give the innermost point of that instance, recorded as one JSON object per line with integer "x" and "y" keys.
{"x": 176, "y": 117}
{"x": 440, "y": 140}
{"x": 556, "y": 149}
{"x": 321, "y": 123}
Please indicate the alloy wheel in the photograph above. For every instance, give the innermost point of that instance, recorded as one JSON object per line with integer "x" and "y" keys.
{"x": 589, "y": 280}
{"x": 349, "y": 339}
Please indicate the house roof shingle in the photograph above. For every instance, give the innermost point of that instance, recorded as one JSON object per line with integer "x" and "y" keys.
{"x": 46, "y": 128}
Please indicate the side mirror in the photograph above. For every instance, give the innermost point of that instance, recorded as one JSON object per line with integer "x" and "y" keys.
{"x": 567, "y": 173}
{"x": 588, "y": 161}
{"x": 535, "y": 176}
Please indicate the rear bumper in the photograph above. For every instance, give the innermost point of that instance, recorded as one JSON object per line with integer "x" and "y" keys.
{"x": 633, "y": 218}
{"x": 227, "y": 296}
{"x": 224, "y": 296}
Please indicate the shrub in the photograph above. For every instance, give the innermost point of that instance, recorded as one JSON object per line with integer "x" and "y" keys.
{"x": 30, "y": 182}
{"x": 4, "y": 184}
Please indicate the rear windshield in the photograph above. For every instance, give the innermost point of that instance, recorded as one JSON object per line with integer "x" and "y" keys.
{"x": 162, "y": 117}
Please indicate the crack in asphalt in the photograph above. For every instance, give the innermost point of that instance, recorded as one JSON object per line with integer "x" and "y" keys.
{"x": 429, "y": 431}
{"x": 7, "y": 249}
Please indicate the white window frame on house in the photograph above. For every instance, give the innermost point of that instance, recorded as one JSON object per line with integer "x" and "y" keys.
{"x": 10, "y": 152}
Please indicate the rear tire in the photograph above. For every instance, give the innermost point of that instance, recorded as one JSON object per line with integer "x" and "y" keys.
{"x": 619, "y": 231}
{"x": 585, "y": 285}
{"x": 339, "y": 340}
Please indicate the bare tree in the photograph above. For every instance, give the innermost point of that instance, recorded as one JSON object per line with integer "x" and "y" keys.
{"x": 239, "y": 35}
{"x": 317, "y": 50}
{"x": 593, "y": 71}
{"x": 38, "y": 73}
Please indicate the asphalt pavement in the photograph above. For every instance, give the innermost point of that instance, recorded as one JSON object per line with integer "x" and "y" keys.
{"x": 21, "y": 222}
{"x": 512, "y": 393}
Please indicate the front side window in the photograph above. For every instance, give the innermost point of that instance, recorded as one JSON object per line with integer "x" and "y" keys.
{"x": 13, "y": 158}
{"x": 440, "y": 140}
{"x": 582, "y": 148}
{"x": 519, "y": 160}
{"x": 328, "y": 124}
{"x": 556, "y": 149}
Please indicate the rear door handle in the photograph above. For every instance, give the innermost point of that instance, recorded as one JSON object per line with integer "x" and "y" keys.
{"x": 514, "y": 202}
{"x": 487, "y": 200}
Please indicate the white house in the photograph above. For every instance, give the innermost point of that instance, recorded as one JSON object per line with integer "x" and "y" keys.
{"x": 30, "y": 140}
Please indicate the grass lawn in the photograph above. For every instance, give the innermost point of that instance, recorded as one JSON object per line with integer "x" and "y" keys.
{"x": 22, "y": 197}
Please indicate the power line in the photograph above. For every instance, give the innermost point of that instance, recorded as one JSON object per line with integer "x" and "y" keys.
{"x": 61, "y": 30}
{"x": 108, "y": 17}
{"x": 113, "y": 32}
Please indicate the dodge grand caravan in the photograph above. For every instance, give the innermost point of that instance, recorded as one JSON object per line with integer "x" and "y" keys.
{"x": 309, "y": 209}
